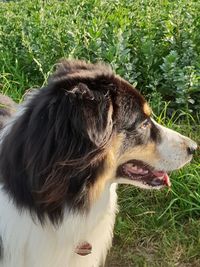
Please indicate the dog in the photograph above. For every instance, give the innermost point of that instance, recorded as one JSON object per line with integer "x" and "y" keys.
{"x": 7, "y": 109}
{"x": 62, "y": 155}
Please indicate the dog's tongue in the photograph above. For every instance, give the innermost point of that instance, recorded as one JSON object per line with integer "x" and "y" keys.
{"x": 164, "y": 176}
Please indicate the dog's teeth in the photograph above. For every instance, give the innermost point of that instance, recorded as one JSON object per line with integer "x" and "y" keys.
{"x": 134, "y": 168}
{"x": 142, "y": 171}
{"x": 129, "y": 165}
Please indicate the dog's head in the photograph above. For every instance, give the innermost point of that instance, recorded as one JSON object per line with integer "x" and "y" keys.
{"x": 87, "y": 128}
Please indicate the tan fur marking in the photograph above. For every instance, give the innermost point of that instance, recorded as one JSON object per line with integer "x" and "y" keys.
{"x": 146, "y": 153}
{"x": 109, "y": 169}
{"x": 147, "y": 109}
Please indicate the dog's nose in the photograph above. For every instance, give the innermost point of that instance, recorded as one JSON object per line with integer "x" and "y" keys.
{"x": 192, "y": 148}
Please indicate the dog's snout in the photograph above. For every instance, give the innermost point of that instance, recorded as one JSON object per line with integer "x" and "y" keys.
{"x": 192, "y": 148}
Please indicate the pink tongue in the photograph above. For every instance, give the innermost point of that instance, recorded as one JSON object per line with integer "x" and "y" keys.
{"x": 165, "y": 177}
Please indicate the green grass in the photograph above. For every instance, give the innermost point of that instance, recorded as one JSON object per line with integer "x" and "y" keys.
{"x": 153, "y": 44}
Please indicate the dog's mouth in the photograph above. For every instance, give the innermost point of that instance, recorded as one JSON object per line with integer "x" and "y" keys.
{"x": 141, "y": 172}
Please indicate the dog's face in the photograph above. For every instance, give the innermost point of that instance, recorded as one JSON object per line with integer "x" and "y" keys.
{"x": 148, "y": 150}
{"x": 143, "y": 151}
{"x": 138, "y": 151}
{"x": 87, "y": 128}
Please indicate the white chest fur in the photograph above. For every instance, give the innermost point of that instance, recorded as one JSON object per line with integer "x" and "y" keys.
{"x": 28, "y": 244}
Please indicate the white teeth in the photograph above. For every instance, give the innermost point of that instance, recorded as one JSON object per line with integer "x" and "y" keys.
{"x": 129, "y": 165}
{"x": 141, "y": 171}
{"x": 134, "y": 168}
{"x": 161, "y": 177}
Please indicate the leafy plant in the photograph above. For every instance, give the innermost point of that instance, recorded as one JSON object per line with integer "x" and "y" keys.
{"x": 152, "y": 44}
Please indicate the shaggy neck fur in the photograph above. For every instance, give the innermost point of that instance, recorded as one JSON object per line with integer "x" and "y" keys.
{"x": 52, "y": 154}
{"x": 25, "y": 242}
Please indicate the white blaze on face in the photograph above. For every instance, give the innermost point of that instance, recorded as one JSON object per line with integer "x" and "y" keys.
{"x": 173, "y": 149}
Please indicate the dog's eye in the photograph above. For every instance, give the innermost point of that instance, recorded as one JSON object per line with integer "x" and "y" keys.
{"x": 145, "y": 124}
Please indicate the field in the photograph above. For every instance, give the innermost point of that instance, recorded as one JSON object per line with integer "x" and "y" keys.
{"x": 154, "y": 45}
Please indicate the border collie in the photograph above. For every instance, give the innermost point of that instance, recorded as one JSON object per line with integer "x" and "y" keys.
{"x": 62, "y": 155}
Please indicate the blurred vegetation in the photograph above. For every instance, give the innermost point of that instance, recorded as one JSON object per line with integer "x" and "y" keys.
{"x": 153, "y": 44}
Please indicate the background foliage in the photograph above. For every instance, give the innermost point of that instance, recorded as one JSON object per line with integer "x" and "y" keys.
{"x": 154, "y": 44}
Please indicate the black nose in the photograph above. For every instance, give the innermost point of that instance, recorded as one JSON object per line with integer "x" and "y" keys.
{"x": 191, "y": 150}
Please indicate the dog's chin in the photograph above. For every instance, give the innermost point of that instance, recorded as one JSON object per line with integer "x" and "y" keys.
{"x": 142, "y": 175}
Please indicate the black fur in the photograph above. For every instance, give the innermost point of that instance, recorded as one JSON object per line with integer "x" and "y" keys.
{"x": 55, "y": 150}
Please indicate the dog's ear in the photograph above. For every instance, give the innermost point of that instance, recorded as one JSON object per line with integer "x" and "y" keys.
{"x": 94, "y": 113}
{"x": 81, "y": 91}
